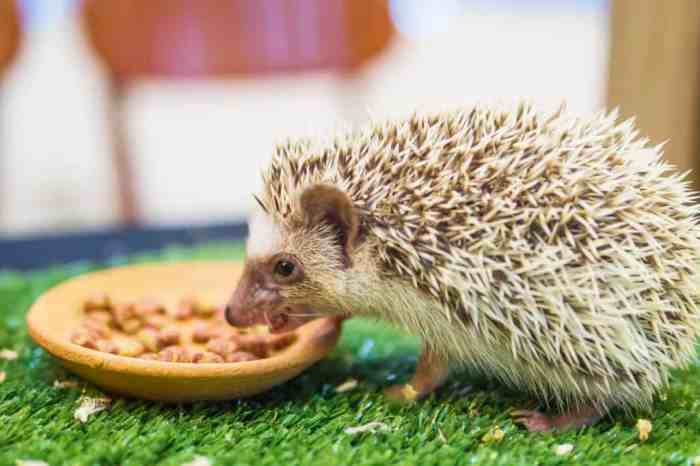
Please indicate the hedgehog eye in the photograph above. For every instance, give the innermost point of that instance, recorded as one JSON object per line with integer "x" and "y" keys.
{"x": 284, "y": 268}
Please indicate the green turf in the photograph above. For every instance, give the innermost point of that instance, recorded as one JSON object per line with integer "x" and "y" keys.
{"x": 302, "y": 422}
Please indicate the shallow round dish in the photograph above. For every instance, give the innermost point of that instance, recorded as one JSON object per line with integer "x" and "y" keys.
{"x": 56, "y": 313}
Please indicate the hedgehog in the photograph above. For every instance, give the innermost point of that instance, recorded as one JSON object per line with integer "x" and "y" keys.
{"x": 553, "y": 253}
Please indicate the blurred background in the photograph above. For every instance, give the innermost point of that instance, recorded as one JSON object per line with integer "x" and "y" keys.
{"x": 138, "y": 115}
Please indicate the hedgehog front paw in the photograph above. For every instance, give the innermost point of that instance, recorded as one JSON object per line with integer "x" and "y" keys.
{"x": 533, "y": 421}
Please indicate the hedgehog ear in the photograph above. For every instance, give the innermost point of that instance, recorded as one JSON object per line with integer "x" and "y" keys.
{"x": 327, "y": 204}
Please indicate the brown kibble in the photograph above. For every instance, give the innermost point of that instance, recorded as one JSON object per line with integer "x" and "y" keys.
{"x": 222, "y": 346}
{"x": 149, "y": 338}
{"x": 198, "y": 307}
{"x": 240, "y": 356}
{"x": 131, "y": 326}
{"x": 102, "y": 317}
{"x": 203, "y": 333}
{"x": 200, "y": 333}
{"x": 98, "y": 302}
{"x": 155, "y": 335}
{"x": 96, "y": 328}
{"x": 255, "y": 344}
{"x": 169, "y": 336}
{"x": 148, "y": 307}
{"x": 122, "y": 312}
{"x": 156, "y": 321}
{"x": 186, "y": 356}
{"x": 107, "y": 346}
{"x": 167, "y": 356}
{"x": 204, "y": 310}
{"x": 207, "y": 357}
{"x": 130, "y": 348}
{"x": 184, "y": 312}
{"x": 83, "y": 338}
{"x": 174, "y": 354}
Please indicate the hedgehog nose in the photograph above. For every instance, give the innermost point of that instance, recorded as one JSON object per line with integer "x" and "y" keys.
{"x": 237, "y": 317}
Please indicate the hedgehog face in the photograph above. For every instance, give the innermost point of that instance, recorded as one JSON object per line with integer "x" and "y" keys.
{"x": 291, "y": 263}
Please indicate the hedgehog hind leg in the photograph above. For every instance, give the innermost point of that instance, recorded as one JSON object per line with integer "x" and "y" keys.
{"x": 537, "y": 421}
{"x": 431, "y": 372}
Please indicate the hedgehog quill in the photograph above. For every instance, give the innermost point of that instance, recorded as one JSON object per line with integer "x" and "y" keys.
{"x": 556, "y": 254}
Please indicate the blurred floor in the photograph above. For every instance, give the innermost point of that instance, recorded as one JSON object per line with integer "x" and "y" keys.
{"x": 199, "y": 147}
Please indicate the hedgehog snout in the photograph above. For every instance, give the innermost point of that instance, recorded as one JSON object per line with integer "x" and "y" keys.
{"x": 249, "y": 305}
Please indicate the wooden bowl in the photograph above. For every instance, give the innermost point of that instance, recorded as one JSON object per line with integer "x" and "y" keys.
{"x": 59, "y": 311}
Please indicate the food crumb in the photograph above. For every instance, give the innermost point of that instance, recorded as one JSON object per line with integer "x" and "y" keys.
{"x": 346, "y": 386}
{"x": 409, "y": 392}
{"x": 89, "y": 406}
{"x": 644, "y": 428}
{"x": 494, "y": 435}
{"x": 563, "y": 449}
{"x": 8, "y": 354}
{"x": 65, "y": 384}
{"x": 371, "y": 427}
{"x": 31, "y": 463}
{"x": 198, "y": 461}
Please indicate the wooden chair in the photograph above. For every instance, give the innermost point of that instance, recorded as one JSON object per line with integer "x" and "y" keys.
{"x": 9, "y": 33}
{"x": 172, "y": 39}
{"x": 10, "y": 38}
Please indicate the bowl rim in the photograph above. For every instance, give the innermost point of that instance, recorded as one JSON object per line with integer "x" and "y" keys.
{"x": 302, "y": 352}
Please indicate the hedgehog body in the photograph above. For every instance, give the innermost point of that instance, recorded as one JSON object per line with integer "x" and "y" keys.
{"x": 557, "y": 254}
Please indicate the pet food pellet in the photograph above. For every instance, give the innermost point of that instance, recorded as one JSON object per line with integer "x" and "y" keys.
{"x": 131, "y": 326}
{"x": 174, "y": 354}
{"x": 149, "y": 338}
{"x": 169, "y": 336}
{"x": 107, "y": 346}
{"x": 204, "y": 310}
{"x": 83, "y": 338}
{"x": 254, "y": 344}
{"x": 97, "y": 328}
{"x": 202, "y": 333}
{"x": 156, "y": 321}
{"x": 222, "y": 346}
{"x": 183, "y": 312}
{"x": 103, "y": 317}
{"x": 207, "y": 357}
{"x": 240, "y": 356}
{"x": 97, "y": 302}
{"x": 130, "y": 347}
{"x": 121, "y": 314}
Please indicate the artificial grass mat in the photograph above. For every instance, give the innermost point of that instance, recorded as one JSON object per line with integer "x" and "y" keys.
{"x": 302, "y": 422}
